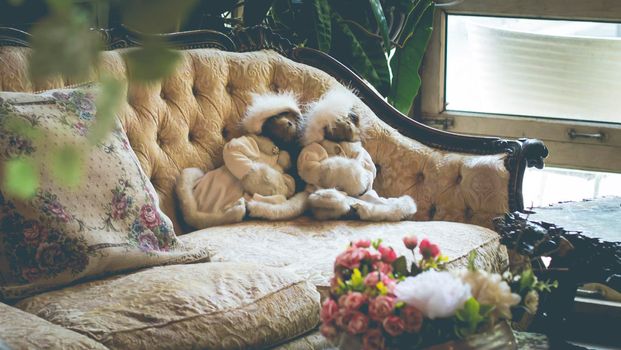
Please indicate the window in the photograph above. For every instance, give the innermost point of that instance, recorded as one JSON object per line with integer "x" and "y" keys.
{"x": 522, "y": 68}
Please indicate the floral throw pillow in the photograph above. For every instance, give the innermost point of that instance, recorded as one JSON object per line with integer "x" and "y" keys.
{"x": 109, "y": 222}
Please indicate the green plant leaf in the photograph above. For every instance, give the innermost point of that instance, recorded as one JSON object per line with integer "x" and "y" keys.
{"x": 400, "y": 266}
{"x": 67, "y": 165}
{"x": 350, "y": 50}
{"x": 406, "y": 62}
{"x": 108, "y": 102}
{"x": 527, "y": 280}
{"x": 323, "y": 24}
{"x": 152, "y": 62}
{"x": 21, "y": 177}
{"x": 378, "y": 13}
{"x": 63, "y": 45}
{"x": 255, "y": 11}
{"x": 469, "y": 318}
{"x": 377, "y": 56}
{"x": 471, "y": 260}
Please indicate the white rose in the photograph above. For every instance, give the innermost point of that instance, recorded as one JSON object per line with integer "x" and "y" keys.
{"x": 435, "y": 294}
{"x": 489, "y": 289}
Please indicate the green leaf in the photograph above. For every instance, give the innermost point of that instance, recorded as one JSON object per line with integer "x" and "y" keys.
{"x": 471, "y": 260}
{"x": 406, "y": 63}
{"x": 378, "y": 13}
{"x": 350, "y": 50}
{"x": 379, "y": 61}
{"x": 152, "y": 62}
{"x": 21, "y": 177}
{"x": 527, "y": 280}
{"x": 255, "y": 11}
{"x": 323, "y": 24}
{"x": 67, "y": 165}
{"x": 469, "y": 317}
{"x": 63, "y": 45}
{"x": 108, "y": 102}
{"x": 400, "y": 266}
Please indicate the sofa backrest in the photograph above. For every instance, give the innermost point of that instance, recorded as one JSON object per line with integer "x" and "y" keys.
{"x": 185, "y": 120}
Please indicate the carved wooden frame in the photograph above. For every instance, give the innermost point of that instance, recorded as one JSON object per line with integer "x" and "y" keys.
{"x": 520, "y": 153}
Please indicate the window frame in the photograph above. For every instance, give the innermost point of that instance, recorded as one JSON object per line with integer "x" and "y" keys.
{"x": 577, "y": 153}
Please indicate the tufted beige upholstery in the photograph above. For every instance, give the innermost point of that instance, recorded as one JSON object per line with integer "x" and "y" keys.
{"x": 185, "y": 120}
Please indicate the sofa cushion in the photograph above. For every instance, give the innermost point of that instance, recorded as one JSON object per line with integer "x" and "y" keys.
{"x": 196, "y": 306}
{"x": 110, "y": 221}
{"x": 22, "y": 331}
{"x": 185, "y": 120}
{"x": 309, "y": 248}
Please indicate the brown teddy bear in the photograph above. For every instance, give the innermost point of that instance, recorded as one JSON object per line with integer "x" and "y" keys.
{"x": 254, "y": 179}
{"x": 339, "y": 171}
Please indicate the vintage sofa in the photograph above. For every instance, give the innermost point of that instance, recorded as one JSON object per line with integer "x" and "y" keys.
{"x": 263, "y": 283}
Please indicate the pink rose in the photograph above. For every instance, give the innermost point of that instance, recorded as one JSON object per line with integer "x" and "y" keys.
{"x": 381, "y": 307}
{"x": 410, "y": 242}
{"x": 373, "y": 278}
{"x": 354, "y": 301}
{"x": 358, "y": 323}
{"x": 373, "y": 340}
{"x": 412, "y": 319}
{"x": 342, "y": 318}
{"x": 382, "y": 267}
{"x": 80, "y": 128}
{"x": 363, "y": 243}
{"x": 428, "y": 249}
{"x": 57, "y": 209}
{"x": 393, "y": 325}
{"x": 147, "y": 242}
{"x": 329, "y": 310}
{"x": 372, "y": 255}
{"x": 350, "y": 258}
{"x": 31, "y": 273}
{"x": 34, "y": 233}
{"x": 328, "y": 331}
{"x": 119, "y": 207}
{"x": 149, "y": 216}
{"x": 388, "y": 254}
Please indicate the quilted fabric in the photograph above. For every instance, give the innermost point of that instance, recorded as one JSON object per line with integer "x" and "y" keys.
{"x": 110, "y": 222}
{"x": 197, "y": 306}
{"x": 185, "y": 120}
{"x": 308, "y": 247}
{"x": 23, "y": 331}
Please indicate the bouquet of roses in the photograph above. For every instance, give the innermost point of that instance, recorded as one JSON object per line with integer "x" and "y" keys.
{"x": 377, "y": 302}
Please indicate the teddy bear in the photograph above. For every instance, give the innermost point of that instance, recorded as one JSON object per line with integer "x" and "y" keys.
{"x": 337, "y": 168}
{"x": 254, "y": 180}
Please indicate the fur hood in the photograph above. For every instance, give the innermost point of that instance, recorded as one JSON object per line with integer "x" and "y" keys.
{"x": 266, "y": 105}
{"x": 335, "y": 103}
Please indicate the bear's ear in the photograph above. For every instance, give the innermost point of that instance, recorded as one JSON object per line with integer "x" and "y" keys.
{"x": 354, "y": 118}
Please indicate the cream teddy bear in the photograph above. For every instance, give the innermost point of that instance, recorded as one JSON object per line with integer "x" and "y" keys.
{"x": 339, "y": 171}
{"x": 254, "y": 173}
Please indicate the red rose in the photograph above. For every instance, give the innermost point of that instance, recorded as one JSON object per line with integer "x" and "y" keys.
{"x": 342, "y": 318}
{"x": 410, "y": 242}
{"x": 354, "y": 301}
{"x": 119, "y": 207}
{"x": 329, "y": 310}
{"x": 373, "y": 340}
{"x": 382, "y": 267}
{"x": 388, "y": 254}
{"x": 372, "y": 255}
{"x": 363, "y": 243}
{"x": 350, "y": 258}
{"x": 149, "y": 216}
{"x": 412, "y": 319}
{"x": 358, "y": 323}
{"x": 428, "y": 249}
{"x": 328, "y": 331}
{"x": 381, "y": 307}
{"x": 393, "y": 325}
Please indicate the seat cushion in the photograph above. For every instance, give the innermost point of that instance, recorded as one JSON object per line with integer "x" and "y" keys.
{"x": 22, "y": 331}
{"x": 110, "y": 221}
{"x": 196, "y": 306}
{"x": 309, "y": 247}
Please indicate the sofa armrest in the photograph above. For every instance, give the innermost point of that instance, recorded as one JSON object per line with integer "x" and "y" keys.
{"x": 452, "y": 177}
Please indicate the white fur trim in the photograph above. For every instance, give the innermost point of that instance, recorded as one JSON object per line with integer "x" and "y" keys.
{"x": 189, "y": 208}
{"x": 266, "y": 105}
{"x": 287, "y": 210}
{"x": 334, "y": 104}
{"x": 385, "y": 209}
{"x": 329, "y": 204}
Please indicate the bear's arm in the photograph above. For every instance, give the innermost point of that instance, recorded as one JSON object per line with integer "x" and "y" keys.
{"x": 239, "y": 155}
{"x": 309, "y": 163}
